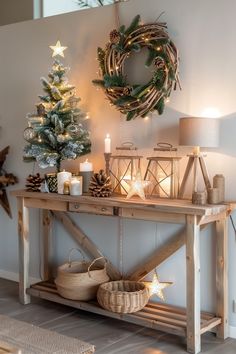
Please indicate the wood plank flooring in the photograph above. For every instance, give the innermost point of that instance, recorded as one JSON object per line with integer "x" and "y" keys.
{"x": 108, "y": 335}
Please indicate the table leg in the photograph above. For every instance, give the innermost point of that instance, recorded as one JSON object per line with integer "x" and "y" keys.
{"x": 45, "y": 249}
{"x": 193, "y": 285}
{"x": 23, "y": 234}
{"x": 222, "y": 277}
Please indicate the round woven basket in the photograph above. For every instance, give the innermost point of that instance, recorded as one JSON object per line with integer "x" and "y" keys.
{"x": 79, "y": 280}
{"x": 123, "y": 296}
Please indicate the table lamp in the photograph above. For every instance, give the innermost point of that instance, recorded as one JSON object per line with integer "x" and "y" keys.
{"x": 198, "y": 133}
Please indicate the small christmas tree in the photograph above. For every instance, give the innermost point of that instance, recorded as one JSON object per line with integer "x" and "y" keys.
{"x": 56, "y": 132}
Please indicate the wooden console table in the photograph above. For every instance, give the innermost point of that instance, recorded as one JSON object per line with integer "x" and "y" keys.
{"x": 190, "y": 323}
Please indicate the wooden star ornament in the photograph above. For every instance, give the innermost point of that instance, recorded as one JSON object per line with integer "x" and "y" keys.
{"x": 137, "y": 186}
{"x": 5, "y": 180}
{"x": 58, "y": 49}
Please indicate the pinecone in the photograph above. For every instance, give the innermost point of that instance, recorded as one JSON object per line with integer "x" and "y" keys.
{"x": 40, "y": 109}
{"x": 158, "y": 62}
{"x": 33, "y": 183}
{"x": 100, "y": 185}
{"x": 127, "y": 90}
{"x": 114, "y": 37}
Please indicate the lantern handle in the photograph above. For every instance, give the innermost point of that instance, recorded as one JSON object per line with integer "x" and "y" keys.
{"x": 127, "y": 145}
{"x": 165, "y": 147}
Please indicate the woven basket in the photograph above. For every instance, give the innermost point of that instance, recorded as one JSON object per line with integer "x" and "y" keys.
{"x": 123, "y": 296}
{"x": 79, "y": 280}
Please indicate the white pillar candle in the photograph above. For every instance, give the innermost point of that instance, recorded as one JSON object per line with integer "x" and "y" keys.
{"x": 76, "y": 186}
{"x": 107, "y": 144}
{"x": 62, "y": 177}
{"x": 86, "y": 166}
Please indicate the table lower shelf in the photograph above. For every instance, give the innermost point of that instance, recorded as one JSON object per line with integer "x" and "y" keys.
{"x": 161, "y": 317}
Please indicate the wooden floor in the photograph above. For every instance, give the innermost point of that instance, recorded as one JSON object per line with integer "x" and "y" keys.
{"x": 108, "y": 335}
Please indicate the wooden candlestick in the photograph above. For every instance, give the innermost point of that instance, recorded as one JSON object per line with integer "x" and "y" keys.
{"x": 107, "y": 156}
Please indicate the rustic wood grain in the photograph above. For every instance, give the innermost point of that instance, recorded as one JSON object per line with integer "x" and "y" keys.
{"x": 222, "y": 277}
{"x": 193, "y": 285}
{"x": 23, "y": 233}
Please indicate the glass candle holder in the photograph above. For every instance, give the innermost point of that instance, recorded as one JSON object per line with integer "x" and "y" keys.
{"x": 76, "y": 185}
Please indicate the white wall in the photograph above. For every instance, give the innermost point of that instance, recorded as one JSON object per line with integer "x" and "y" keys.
{"x": 208, "y": 78}
{"x": 12, "y": 11}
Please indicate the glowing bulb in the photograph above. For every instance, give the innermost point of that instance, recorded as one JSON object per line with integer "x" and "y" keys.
{"x": 211, "y": 112}
{"x": 146, "y": 118}
{"x": 167, "y": 100}
{"x": 129, "y": 42}
{"x": 158, "y": 49}
{"x": 39, "y": 139}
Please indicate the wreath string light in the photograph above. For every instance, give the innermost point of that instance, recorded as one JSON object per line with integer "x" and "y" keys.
{"x": 139, "y": 100}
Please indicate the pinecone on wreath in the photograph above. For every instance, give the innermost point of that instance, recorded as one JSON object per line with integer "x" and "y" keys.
{"x": 114, "y": 37}
{"x": 100, "y": 185}
{"x": 33, "y": 183}
{"x": 127, "y": 90}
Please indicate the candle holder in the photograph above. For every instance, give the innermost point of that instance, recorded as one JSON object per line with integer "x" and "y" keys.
{"x": 76, "y": 185}
{"x": 86, "y": 176}
{"x": 163, "y": 172}
{"x": 122, "y": 167}
{"x": 107, "y": 156}
{"x": 62, "y": 177}
{"x": 86, "y": 171}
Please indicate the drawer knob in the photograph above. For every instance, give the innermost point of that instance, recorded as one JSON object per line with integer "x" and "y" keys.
{"x": 103, "y": 209}
{"x": 76, "y": 206}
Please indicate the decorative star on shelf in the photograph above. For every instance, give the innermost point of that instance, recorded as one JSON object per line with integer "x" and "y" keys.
{"x": 156, "y": 287}
{"x": 5, "y": 180}
{"x": 57, "y": 49}
{"x": 137, "y": 186}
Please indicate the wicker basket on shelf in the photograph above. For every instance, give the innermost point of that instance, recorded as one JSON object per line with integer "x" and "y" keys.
{"x": 123, "y": 296}
{"x": 79, "y": 280}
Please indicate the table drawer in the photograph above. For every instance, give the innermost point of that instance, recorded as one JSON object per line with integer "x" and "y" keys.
{"x": 90, "y": 208}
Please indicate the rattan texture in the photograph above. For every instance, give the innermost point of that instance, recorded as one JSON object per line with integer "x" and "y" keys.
{"x": 123, "y": 296}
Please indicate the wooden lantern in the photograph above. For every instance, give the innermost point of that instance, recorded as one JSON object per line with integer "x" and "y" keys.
{"x": 122, "y": 167}
{"x": 163, "y": 172}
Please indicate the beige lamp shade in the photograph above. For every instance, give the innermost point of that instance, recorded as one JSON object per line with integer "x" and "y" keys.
{"x": 203, "y": 132}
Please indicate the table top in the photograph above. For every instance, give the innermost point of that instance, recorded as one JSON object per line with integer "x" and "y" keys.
{"x": 182, "y": 206}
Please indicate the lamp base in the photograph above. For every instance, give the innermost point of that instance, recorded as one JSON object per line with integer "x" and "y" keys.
{"x": 193, "y": 162}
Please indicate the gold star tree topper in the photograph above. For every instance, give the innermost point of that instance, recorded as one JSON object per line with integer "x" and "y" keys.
{"x": 156, "y": 287}
{"x": 137, "y": 186}
{"x": 58, "y": 49}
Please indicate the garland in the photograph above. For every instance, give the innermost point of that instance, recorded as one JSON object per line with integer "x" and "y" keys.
{"x": 138, "y": 100}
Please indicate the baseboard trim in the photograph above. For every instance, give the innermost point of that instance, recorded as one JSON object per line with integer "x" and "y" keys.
{"x": 15, "y": 276}
{"x": 232, "y": 332}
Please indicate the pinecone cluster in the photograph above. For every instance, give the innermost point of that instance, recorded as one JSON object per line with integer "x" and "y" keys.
{"x": 114, "y": 37}
{"x": 100, "y": 185}
{"x": 33, "y": 183}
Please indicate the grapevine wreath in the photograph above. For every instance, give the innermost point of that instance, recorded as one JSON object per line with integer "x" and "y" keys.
{"x": 139, "y": 100}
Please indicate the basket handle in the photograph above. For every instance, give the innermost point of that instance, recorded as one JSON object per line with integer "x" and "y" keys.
{"x": 94, "y": 261}
{"x": 71, "y": 251}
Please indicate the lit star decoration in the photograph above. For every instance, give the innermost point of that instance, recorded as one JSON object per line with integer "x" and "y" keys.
{"x": 58, "y": 49}
{"x": 137, "y": 186}
{"x": 156, "y": 287}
